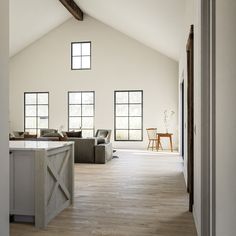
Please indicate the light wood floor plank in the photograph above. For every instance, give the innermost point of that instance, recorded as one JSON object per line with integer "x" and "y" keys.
{"x": 138, "y": 194}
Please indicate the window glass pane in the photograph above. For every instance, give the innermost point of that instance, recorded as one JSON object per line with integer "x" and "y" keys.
{"x": 135, "y": 135}
{"x": 121, "y": 134}
{"x": 122, "y": 97}
{"x": 76, "y": 62}
{"x": 74, "y": 98}
{"x": 30, "y": 122}
{"x": 85, "y": 48}
{"x": 87, "y": 98}
{"x": 135, "y": 110}
{"x": 75, "y": 122}
{"x": 36, "y": 116}
{"x": 86, "y": 62}
{"x": 30, "y": 110}
{"x": 122, "y": 110}
{"x": 75, "y": 110}
{"x": 42, "y": 122}
{"x": 31, "y": 131}
{"x": 42, "y": 98}
{"x": 30, "y": 98}
{"x": 135, "y": 97}
{"x": 122, "y": 122}
{"x": 87, "y": 122}
{"x": 42, "y": 110}
{"x": 87, "y": 110}
{"x": 76, "y": 49}
{"x": 135, "y": 122}
{"x": 87, "y": 133}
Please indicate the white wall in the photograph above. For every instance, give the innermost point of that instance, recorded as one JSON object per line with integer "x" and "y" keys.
{"x": 118, "y": 62}
{"x": 4, "y": 153}
{"x": 225, "y": 118}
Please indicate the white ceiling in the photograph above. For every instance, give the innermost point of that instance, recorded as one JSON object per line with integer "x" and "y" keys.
{"x": 156, "y": 23}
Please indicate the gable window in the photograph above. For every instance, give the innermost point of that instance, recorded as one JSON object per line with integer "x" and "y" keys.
{"x": 81, "y": 112}
{"x": 36, "y": 107}
{"x": 81, "y": 56}
{"x": 128, "y": 115}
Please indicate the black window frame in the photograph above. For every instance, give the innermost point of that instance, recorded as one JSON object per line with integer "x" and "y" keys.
{"x": 115, "y": 116}
{"x": 37, "y": 104}
{"x": 90, "y": 56}
{"x": 68, "y": 105}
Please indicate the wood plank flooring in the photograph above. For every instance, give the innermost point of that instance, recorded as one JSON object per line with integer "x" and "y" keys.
{"x": 138, "y": 194}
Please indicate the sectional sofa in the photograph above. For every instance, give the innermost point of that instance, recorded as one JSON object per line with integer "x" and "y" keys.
{"x": 86, "y": 150}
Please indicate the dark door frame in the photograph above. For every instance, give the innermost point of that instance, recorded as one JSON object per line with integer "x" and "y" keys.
{"x": 182, "y": 124}
{"x": 190, "y": 115}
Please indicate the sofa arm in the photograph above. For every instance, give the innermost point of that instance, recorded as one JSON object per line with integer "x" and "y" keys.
{"x": 103, "y": 153}
{"x": 84, "y": 149}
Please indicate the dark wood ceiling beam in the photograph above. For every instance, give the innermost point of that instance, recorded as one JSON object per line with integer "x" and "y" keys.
{"x": 73, "y": 8}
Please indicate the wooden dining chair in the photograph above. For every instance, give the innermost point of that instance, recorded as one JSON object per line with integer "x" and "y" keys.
{"x": 153, "y": 139}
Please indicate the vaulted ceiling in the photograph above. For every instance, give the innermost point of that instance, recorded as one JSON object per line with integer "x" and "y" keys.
{"x": 31, "y": 19}
{"x": 155, "y": 23}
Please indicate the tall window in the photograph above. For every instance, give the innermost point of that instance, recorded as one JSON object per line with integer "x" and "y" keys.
{"x": 81, "y": 112}
{"x": 36, "y": 111}
{"x": 81, "y": 56}
{"x": 128, "y": 115}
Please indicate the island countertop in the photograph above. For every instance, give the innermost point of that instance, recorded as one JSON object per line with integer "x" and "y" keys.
{"x": 36, "y": 145}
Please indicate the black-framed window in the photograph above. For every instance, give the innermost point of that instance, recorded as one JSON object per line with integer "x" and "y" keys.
{"x": 128, "y": 110}
{"x": 36, "y": 111}
{"x": 81, "y": 109}
{"x": 81, "y": 55}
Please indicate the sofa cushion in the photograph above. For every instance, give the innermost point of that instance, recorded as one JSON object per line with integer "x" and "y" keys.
{"x": 47, "y": 131}
{"x": 52, "y": 135}
{"x": 19, "y": 134}
{"x": 101, "y": 140}
{"x": 30, "y": 136}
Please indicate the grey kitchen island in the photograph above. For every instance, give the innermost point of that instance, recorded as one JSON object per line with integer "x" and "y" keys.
{"x": 41, "y": 180}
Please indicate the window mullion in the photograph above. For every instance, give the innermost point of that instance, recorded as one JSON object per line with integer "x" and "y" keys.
{"x": 81, "y": 106}
{"x": 128, "y": 115}
{"x": 36, "y": 113}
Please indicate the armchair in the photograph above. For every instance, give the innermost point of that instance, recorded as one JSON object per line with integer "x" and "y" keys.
{"x": 103, "y": 136}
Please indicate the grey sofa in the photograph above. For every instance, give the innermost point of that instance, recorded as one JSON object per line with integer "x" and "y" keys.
{"x": 94, "y": 150}
{"x": 84, "y": 149}
{"x": 89, "y": 150}
{"x": 103, "y": 153}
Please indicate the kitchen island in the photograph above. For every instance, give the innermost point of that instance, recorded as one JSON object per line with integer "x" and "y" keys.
{"x": 41, "y": 180}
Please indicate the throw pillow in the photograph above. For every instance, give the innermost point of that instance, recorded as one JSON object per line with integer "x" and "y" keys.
{"x": 102, "y": 133}
{"x": 74, "y": 134}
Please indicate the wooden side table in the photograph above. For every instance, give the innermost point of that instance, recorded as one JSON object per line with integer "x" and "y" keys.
{"x": 164, "y": 135}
